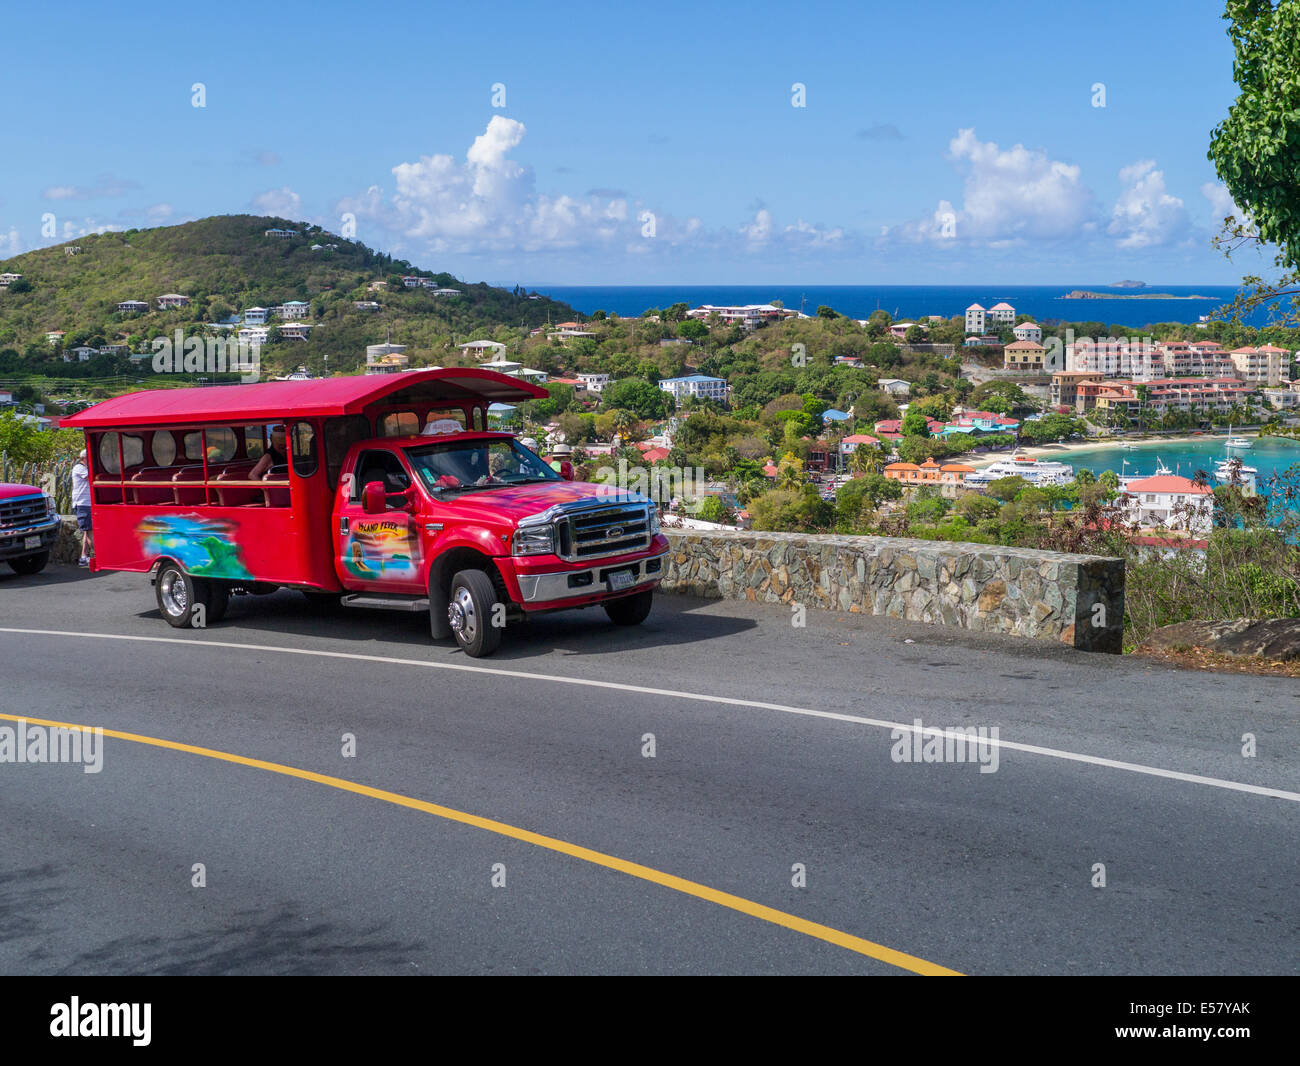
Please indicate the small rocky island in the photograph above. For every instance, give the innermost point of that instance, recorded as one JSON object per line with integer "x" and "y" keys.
{"x": 1085, "y": 294}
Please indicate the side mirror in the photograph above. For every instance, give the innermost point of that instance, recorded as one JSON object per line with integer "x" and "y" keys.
{"x": 373, "y": 499}
{"x": 566, "y": 470}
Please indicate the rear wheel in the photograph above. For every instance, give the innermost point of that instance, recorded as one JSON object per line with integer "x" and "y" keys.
{"x": 472, "y": 608}
{"x": 630, "y": 610}
{"x": 29, "y": 564}
{"x": 185, "y": 600}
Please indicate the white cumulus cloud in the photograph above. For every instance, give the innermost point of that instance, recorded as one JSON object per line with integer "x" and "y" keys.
{"x": 1146, "y": 214}
{"x": 282, "y": 203}
{"x": 1008, "y": 195}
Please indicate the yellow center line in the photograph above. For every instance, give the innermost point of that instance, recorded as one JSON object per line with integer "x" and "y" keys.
{"x": 597, "y": 858}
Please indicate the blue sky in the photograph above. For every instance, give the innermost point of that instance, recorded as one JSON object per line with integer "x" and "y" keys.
{"x": 939, "y": 142}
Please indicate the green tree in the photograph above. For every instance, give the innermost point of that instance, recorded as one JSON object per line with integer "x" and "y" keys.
{"x": 1256, "y": 149}
{"x": 1007, "y": 488}
{"x": 915, "y": 425}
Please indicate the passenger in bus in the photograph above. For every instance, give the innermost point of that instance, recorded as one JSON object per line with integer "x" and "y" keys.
{"x": 274, "y": 456}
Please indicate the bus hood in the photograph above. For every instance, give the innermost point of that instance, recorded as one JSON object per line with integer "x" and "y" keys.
{"x": 521, "y": 501}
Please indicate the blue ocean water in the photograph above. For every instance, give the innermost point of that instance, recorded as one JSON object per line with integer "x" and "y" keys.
{"x": 1269, "y": 455}
{"x": 1043, "y": 302}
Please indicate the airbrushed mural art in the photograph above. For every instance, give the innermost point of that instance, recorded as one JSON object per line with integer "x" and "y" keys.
{"x": 382, "y": 548}
{"x": 205, "y": 547}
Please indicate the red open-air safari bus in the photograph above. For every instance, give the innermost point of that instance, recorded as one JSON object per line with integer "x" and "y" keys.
{"x": 393, "y": 494}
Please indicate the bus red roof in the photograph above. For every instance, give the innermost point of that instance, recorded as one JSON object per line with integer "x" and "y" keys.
{"x": 319, "y": 397}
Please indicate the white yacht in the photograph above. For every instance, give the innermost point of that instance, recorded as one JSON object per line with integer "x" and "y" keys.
{"x": 1228, "y": 472}
{"x": 1237, "y": 442}
{"x": 1035, "y": 471}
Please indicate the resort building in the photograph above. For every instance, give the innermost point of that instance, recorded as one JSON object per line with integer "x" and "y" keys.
{"x": 701, "y": 385}
{"x": 949, "y": 478}
{"x": 1029, "y": 331}
{"x": 294, "y": 310}
{"x": 1000, "y": 314}
{"x": 748, "y": 316}
{"x": 283, "y": 234}
{"x": 975, "y": 315}
{"x": 1112, "y": 357}
{"x": 132, "y": 307}
{"x": 173, "y": 299}
{"x": 8, "y": 279}
{"x": 1023, "y": 355}
{"x": 255, "y": 316}
{"x": 295, "y": 331}
{"x": 1202, "y": 396}
{"x": 1262, "y": 365}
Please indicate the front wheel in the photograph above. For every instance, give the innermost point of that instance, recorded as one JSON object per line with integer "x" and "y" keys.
{"x": 472, "y": 611}
{"x": 630, "y": 610}
{"x": 29, "y": 564}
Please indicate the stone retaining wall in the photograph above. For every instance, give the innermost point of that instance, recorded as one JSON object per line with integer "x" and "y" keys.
{"x": 1073, "y": 599}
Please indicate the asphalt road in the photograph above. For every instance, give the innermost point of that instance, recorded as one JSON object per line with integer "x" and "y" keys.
{"x": 772, "y": 747}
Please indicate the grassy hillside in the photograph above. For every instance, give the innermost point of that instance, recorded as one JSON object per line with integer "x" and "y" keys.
{"x": 226, "y": 264}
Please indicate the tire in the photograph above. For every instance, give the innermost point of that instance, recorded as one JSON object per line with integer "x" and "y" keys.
{"x": 178, "y": 595}
{"x": 470, "y": 609}
{"x": 29, "y": 564}
{"x": 630, "y": 610}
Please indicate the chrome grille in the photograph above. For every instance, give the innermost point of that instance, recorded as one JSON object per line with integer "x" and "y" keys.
{"x": 21, "y": 511}
{"x": 607, "y": 530}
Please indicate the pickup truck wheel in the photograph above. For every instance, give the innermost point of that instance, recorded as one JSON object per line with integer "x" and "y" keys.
{"x": 630, "y": 610}
{"x": 470, "y": 610}
{"x": 30, "y": 564}
{"x": 179, "y": 594}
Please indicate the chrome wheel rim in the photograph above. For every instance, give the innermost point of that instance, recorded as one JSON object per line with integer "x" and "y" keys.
{"x": 461, "y": 615}
{"x": 175, "y": 602}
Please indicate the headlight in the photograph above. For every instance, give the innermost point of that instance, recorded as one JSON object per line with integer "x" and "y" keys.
{"x": 534, "y": 540}
{"x": 49, "y": 505}
{"x": 654, "y": 519}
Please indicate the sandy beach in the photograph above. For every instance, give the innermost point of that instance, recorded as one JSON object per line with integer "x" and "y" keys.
{"x": 1060, "y": 451}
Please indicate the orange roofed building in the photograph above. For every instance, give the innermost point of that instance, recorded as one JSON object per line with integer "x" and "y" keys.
{"x": 949, "y": 478}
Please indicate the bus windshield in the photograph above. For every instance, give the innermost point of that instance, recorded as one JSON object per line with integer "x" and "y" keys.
{"x": 458, "y": 466}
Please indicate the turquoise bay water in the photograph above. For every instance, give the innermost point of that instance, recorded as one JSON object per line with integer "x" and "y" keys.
{"x": 1271, "y": 455}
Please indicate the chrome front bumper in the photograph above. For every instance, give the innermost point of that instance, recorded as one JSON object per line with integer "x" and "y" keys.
{"x": 571, "y": 584}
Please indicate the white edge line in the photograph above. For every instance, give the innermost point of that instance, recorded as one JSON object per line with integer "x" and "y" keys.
{"x": 1010, "y": 745}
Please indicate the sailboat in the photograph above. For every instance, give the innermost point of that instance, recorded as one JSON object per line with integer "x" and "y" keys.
{"x": 1237, "y": 442}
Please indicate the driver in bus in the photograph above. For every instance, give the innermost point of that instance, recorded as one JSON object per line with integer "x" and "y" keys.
{"x": 273, "y": 456}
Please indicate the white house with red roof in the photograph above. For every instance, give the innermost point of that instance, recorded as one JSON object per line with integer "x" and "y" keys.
{"x": 849, "y": 445}
{"x": 975, "y": 315}
{"x": 1000, "y": 314}
{"x": 1168, "y": 501}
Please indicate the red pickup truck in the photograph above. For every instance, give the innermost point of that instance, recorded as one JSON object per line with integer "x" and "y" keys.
{"x": 28, "y": 528}
{"x": 391, "y": 492}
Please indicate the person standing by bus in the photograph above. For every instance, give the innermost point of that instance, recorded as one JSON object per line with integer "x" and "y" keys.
{"x": 81, "y": 507}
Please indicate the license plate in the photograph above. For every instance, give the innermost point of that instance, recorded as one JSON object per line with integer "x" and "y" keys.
{"x": 32, "y": 542}
{"x": 621, "y": 579}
